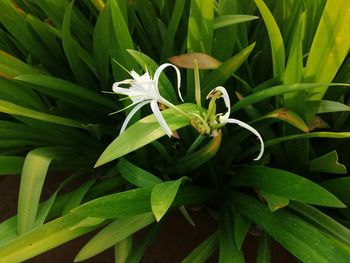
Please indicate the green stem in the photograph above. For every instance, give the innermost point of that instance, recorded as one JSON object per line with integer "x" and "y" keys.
{"x": 195, "y": 144}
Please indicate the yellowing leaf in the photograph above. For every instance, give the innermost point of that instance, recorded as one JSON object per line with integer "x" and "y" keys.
{"x": 187, "y": 61}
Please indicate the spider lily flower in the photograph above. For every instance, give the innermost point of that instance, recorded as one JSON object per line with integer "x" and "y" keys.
{"x": 220, "y": 92}
{"x": 144, "y": 90}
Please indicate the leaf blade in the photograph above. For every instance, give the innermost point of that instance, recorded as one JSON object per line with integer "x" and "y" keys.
{"x": 285, "y": 184}
{"x": 162, "y": 197}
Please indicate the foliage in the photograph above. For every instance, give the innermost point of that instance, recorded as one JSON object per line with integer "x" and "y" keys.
{"x": 285, "y": 66}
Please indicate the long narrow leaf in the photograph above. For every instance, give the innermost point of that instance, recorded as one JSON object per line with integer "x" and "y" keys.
{"x": 13, "y": 109}
{"x": 143, "y": 132}
{"x": 114, "y": 233}
{"x": 330, "y": 45}
{"x": 299, "y": 237}
{"x": 33, "y": 176}
{"x": 276, "y": 40}
{"x": 43, "y": 238}
{"x": 286, "y": 184}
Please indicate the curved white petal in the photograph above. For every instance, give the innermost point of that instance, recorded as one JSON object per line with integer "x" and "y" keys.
{"x": 132, "y": 113}
{"x": 159, "y": 71}
{"x": 121, "y": 90}
{"x": 251, "y": 129}
{"x": 160, "y": 118}
{"x": 226, "y": 99}
{"x": 134, "y": 74}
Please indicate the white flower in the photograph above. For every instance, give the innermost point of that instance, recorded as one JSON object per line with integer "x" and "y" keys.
{"x": 223, "y": 119}
{"x": 143, "y": 90}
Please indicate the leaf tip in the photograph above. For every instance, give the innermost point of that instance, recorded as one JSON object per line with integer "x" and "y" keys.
{"x": 77, "y": 258}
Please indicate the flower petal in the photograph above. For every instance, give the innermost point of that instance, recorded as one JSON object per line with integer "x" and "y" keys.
{"x": 226, "y": 99}
{"x": 134, "y": 75}
{"x": 120, "y": 90}
{"x": 251, "y": 129}
{"x": 132, "y": 113}
{"x": 160, "y": 118}
{"x": 159, "y": 71}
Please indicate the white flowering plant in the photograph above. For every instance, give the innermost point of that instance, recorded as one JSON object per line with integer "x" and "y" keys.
{"x": 247, "y": 122}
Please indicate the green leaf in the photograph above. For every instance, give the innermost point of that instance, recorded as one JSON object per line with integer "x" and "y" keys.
{"x": 135, "y": 175}
{"x": 148, "y": 15}
{"x": 144, "y": 132}
{"x": 228, "y": 249}
{"x": 299, "y": 237}
{"x": 339, "y": 187}
{"x": 202, "y": 252}
{"x": 11, "y": 165}
{"x": 241, "y": 229}
{"x": 73, "y": 51}
{"x": 88, "y": 222}
{"x": 8, "y": 230}
{"x": 43, "y": 238}
{"x": 77, "y": 197}
{"x": 67, "y": 87}
{"x": 113, "y": 234}
{"x": 11, "y": 66}
{"x": 294, "y": 70}
{"x": 194, "y": 160}
{"x": 52, "y": 207}
{"x": 323, "y": 220}
{"x": 223, "y": 72}
{"x": 327, "y": 163}
{"x": 118, "y": 205}
{"x": 172, "y": 29}
{"x": 200, "y": 26}
{"x": 285, "y": 184}
{"x": 54, "y": 11}
{"x": 46, "y": 207}
{"x": 228, "y": 20}
{"x": 33, "y": 176}
{"x": 330, "y": 46}
{"x": 276, "y": 40}
{"x": 15, "y": 23}
{"x": 277, "y": 140}
{"x": 13, "y": 109}
{"x": 228, "y": 39}
{"x": 326, "y": 106}
{"x": 18, "y": 94}
{"x": 122, "y": 36}
{"x": 49, "y": 37}
{"x": 101, "y": 43}
{"x": 102, "y": 187}
{"x": 162, "y": 196}
{"x": 122, "y": 249}
{"x": 276, "y": 90}
{"x": 264, "y": 249}
{"x": 298, "y": 152}
{"x": 21, "y": 144}
{"x": 136, "y": 254}
{"x": 275, "y": 202}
